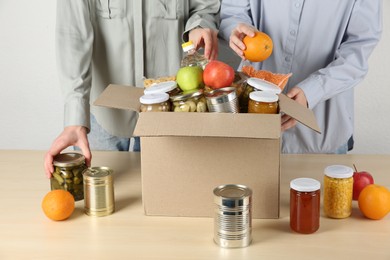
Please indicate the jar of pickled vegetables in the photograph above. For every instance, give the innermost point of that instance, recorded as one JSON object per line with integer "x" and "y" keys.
{"x": 156, "y": 102}
{"x": 67, "y": 175}
{"x": 263, "y": 102}
{"x": 305, "y": 205}
{"x": 338, "y": 185}
{"x": 169, "y": 87}
{"x": 256, "y": 84}
{"x": 193, "y": 101}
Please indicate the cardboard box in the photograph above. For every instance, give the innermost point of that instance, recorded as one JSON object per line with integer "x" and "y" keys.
{"x": 184, "y": 156}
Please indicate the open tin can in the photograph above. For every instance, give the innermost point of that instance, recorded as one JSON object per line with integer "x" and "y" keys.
{"x": 233, "y": 215}
{"x": 98, "y": 191}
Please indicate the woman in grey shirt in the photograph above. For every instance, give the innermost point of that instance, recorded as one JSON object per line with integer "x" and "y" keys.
{"x": 99, "y": 42}
{"x": 325, "y": 45}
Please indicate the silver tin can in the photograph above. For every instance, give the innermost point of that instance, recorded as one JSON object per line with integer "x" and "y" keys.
{"x": 233, "y": 216}
{"x": 223, "y": 100}
{"x": 98, "y": 191}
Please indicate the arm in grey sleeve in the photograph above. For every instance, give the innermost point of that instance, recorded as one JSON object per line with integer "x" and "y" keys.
{"x": 74, "y": 42}
{"x": 202, "y": 13}
{"x": 234, "y": 12}
{"x": 351, "y": 59}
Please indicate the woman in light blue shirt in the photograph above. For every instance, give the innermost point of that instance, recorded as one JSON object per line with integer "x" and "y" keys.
{"x": 326, "y": 45}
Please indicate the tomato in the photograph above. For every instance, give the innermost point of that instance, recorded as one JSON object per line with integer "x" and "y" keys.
{"x": 218, "y": 74}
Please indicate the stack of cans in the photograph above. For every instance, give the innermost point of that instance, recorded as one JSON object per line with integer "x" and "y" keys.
{"x": 223, "y": 100}
{"x": 233, "y": 216}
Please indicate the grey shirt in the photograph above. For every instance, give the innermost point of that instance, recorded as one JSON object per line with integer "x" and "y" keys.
{"x": 326, "y": 45}
{"x": 100, "y": 42}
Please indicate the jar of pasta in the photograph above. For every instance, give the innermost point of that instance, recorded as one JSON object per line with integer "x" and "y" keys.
{"x": 263, "y": 102}
{"x": 255, "y": 84}
{"x": 193, "y": 101}
{"x": 156, "y": 102}
{"x": 338, "y": 185}
{"x": 169, "y": 87}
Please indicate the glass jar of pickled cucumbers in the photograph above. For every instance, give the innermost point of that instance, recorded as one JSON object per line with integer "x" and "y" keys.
{"x": 155, "y": 102}
{"x": 67, "y": 175}
{"x": 189, "y": 102}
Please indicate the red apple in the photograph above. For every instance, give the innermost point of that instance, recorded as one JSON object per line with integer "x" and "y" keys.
{"x": 360, "y": 181}
{"x": 218, "y": 74}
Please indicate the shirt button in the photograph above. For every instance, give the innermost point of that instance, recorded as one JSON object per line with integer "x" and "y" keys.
{"x": 292, "y": 32}
{"x": 297, "y": 4}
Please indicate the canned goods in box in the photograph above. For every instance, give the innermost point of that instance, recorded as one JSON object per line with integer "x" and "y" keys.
{"x": 233, "y": 215}
{"x": 98, "y": 191}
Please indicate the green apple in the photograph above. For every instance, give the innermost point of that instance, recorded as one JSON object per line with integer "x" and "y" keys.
{"x": 190, "y": 78}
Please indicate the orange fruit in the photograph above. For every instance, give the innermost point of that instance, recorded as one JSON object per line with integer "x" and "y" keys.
{"x": 374, "y": 201}
{"x": 258, "y": 47}
{"x": 58, "y": 204}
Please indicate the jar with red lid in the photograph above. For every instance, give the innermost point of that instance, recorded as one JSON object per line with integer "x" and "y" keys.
{"x": 305, "y": 205}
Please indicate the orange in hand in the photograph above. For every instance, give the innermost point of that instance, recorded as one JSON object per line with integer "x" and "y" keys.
{"x": 374, "y": 201}
{"x": 58, "y": 204}
{"x": 258, "y": 47}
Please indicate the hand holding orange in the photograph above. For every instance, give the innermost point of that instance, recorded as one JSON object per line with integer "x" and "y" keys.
{"x": 258, "y": 47}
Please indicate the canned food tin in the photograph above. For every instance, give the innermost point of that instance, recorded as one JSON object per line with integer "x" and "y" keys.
{"x": 67, "y": 175}
{"x": 98, "y": 191}
{"x": 222, "y": 100}
{"x": 233, "y": 215}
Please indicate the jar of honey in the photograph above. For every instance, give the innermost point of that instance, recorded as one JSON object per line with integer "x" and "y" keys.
{"x": 263, "y": 102}
{"x": 255, "y": 84}
{"x": 305, "y": 205}
{"x": 156, "y": 102}
{"x": 338, "y": 185}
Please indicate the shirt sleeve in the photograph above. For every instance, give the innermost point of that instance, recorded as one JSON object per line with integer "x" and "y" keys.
{"x": 351, "y": 58}
{"x": 74, "y": 44}
{"x": 202, "y": 13}
{"x": 234, "y": 12}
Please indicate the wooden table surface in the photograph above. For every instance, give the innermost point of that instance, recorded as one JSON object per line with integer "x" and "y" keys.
{"x": 26, "y": 233}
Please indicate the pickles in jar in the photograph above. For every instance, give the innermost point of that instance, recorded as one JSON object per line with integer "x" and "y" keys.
{"x": 189, "y": 102}
{"x": 67, "y": 175}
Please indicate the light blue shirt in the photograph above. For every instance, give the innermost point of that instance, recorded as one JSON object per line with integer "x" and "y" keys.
{"x": 326, "y": 45}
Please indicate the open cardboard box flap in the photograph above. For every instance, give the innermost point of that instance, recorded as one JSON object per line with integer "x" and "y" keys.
{"x": 198, "y": 124}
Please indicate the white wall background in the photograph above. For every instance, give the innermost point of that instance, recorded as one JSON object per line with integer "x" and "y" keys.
{"x": 31, "y": 109}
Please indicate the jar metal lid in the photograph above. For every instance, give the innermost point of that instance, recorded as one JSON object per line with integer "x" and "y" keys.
{"x": 338, "y": 171}
{"x": 161, "y": 87}
{"x": 187, "y": 95}
{"x": 263, "y": 85}
{"x": 305, "y": 184}
{"x": 263, "y": 96}
{"x": 154, "y": 98}
{"x": 68, "y": 159}
{"x": 232, "y": 195}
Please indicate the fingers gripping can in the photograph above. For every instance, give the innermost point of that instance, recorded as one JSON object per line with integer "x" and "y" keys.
{"x": 98, "y": 191}
{"x": 233, "y": 215}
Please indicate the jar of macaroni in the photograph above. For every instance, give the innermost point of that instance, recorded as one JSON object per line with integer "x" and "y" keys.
{"x": 169, "y": 87}
{"x": 305, "y": 205}
{"x": 338, "y": 185}
{"x": 255, "y": 84}
{"x": 193, "y": 101}
{"x": 156, "y": 102}
{"x": 263, "y": 102}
